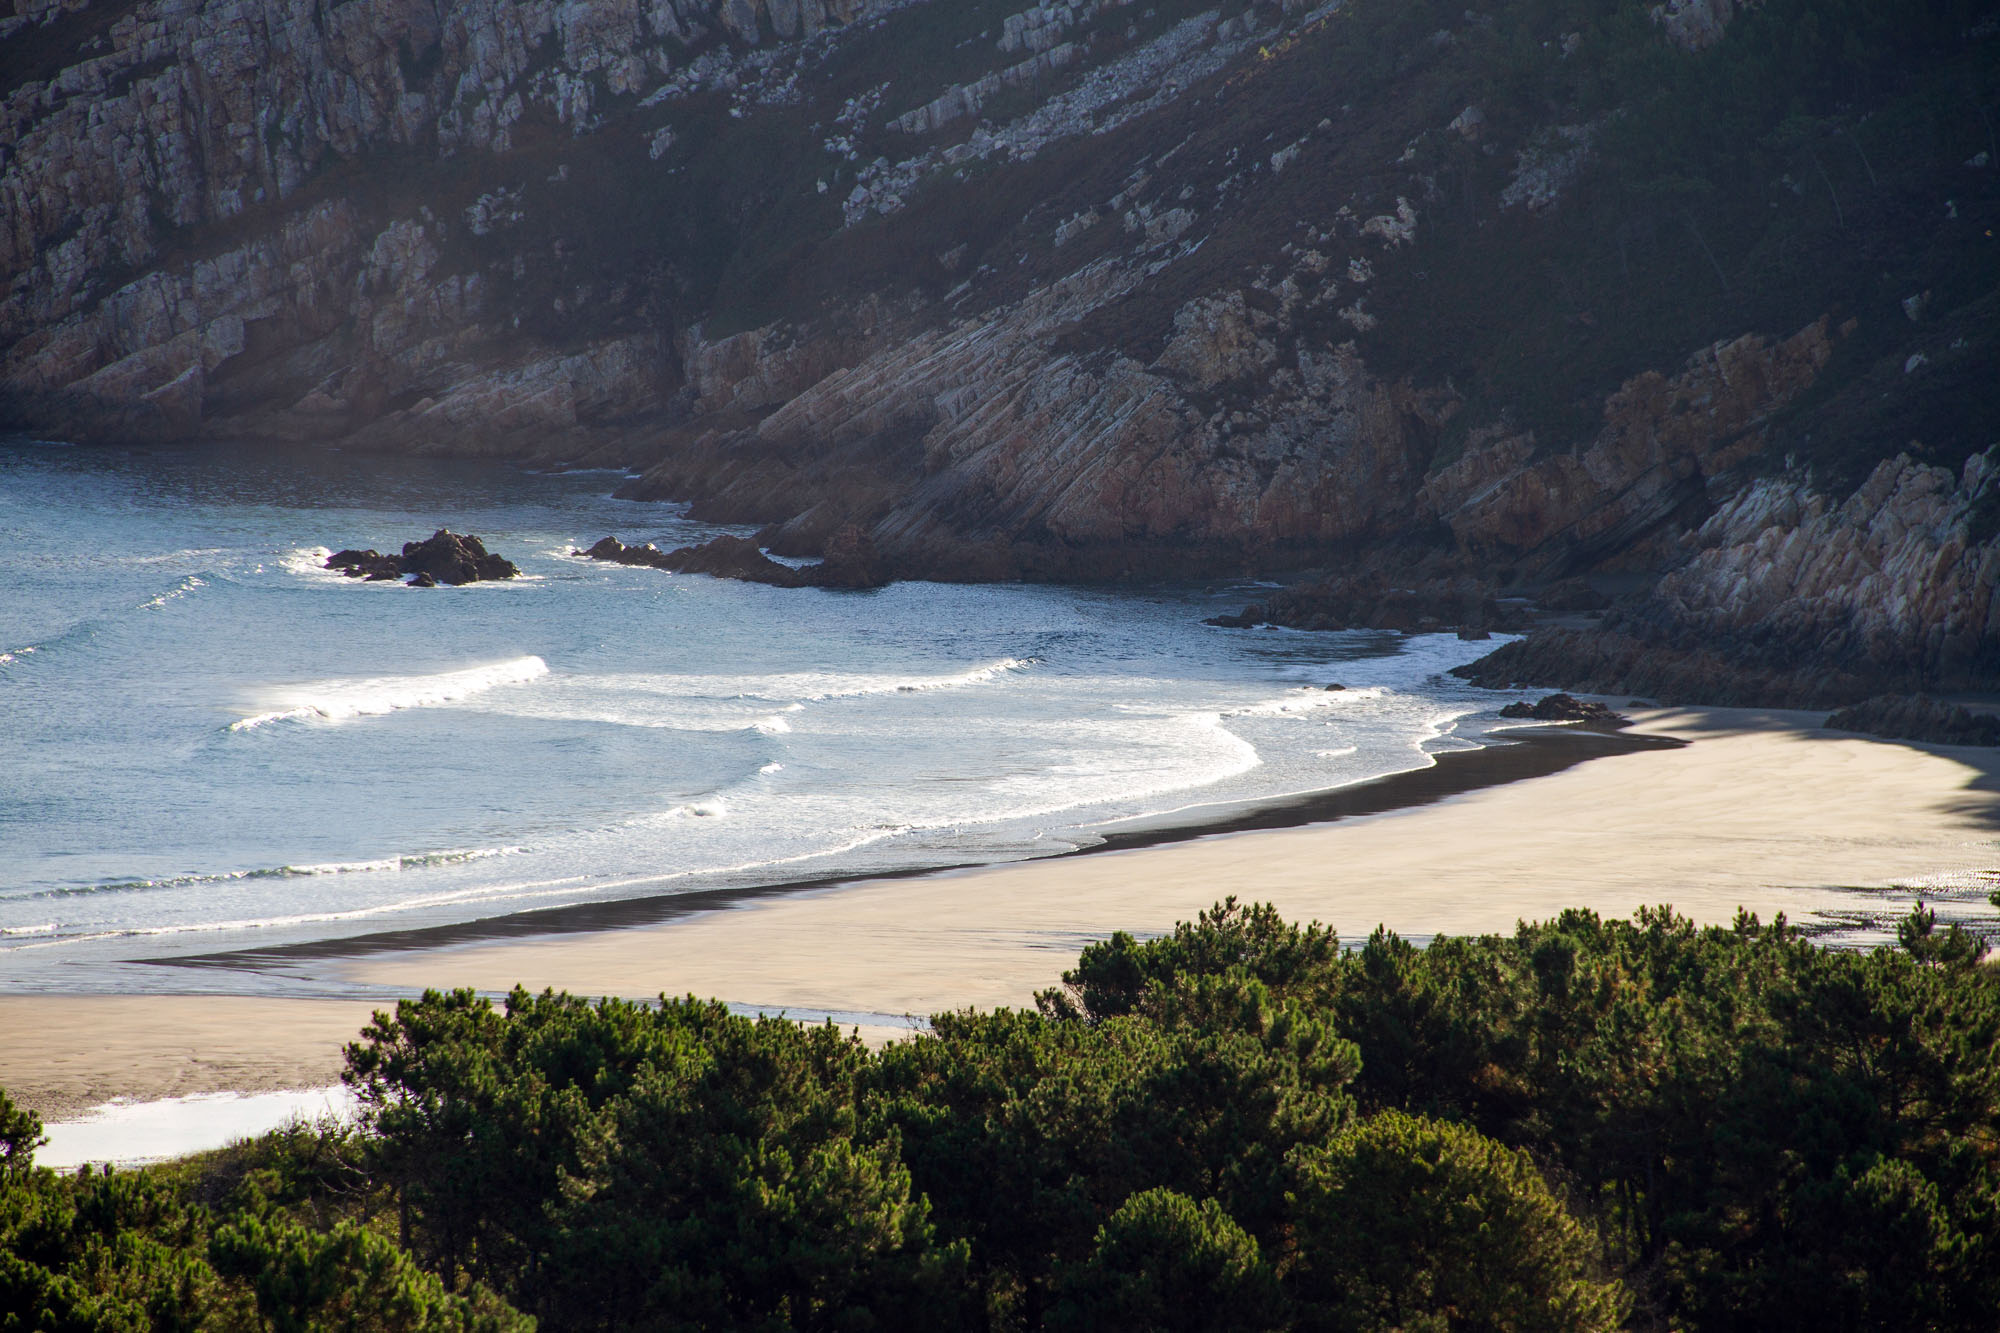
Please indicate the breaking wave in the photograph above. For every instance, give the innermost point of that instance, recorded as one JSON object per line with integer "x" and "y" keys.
{"x": 389, "y": 864}
{"x": 337, "y": 700}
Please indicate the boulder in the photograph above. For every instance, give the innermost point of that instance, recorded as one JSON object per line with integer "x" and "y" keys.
{"x": 1566, "y": 708}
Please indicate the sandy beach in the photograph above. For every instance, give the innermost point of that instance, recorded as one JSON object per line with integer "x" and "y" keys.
{"x": 1761, "y": 810}
{"x": 65, "y": 1053}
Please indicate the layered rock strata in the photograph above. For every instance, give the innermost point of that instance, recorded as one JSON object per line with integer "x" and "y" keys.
{"x": 1789, "y": 597}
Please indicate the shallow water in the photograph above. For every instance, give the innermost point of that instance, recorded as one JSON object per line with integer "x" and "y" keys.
{"x": 210, "y": 742}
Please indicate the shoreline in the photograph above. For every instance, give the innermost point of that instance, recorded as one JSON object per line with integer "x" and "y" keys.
{"x": 1710, "y": 810}
{"x": 1511, "y": 755}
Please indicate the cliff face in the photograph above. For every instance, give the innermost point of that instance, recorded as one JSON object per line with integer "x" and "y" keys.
{"x": 1083, "y": 290}
{"x": 1786, "y": 597}
{"x": 206, "y": 229}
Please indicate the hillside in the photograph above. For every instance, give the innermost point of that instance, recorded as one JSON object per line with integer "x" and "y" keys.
{"x": 1696, "y": 300}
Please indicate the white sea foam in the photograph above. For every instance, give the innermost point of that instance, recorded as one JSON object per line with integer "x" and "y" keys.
{"x": 310, "y": 561}
{"x": 808, "y": 687}
{"x": 485, "y": 894}
{"x": 338, "y": 700}
{"x": 736, "y": 703}
{"x": 710, "y": 809}
{"x": 1305, "y": 699}
{"x": 378, "y": 865}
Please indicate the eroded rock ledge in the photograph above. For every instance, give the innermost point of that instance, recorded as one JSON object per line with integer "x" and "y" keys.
{"x": 850, "y": 561}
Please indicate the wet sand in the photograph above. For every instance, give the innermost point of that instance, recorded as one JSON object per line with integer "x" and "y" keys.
{"x": 1759, "y": 810}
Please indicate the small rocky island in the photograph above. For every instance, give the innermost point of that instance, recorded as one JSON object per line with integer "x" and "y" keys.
{"x": 443, "y": 557}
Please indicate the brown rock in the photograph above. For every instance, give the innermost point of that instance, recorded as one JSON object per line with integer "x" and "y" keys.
{"x": 1566, "y": 708}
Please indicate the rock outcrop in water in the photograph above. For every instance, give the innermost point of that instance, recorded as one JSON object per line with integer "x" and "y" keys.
{"x": 849, "y": 563}
{"x": 1089, "y": 291}
{"x": 445, "y": 557}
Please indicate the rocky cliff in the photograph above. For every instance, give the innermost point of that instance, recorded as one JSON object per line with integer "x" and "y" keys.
{"x": 1490, "y": 298}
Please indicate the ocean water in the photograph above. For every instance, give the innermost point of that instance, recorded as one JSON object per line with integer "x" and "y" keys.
{"x": 207, "y": 742}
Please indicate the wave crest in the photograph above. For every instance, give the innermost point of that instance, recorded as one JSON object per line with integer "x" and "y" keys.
{"x": 391, "y": 864}
{"x": 337, "y": 700}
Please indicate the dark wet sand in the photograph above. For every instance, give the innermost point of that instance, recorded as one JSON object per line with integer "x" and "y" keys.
{"x": 1527, "y": 752}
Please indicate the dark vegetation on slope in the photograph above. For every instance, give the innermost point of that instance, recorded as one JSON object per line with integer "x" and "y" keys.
{"x": 1589, "y": 1124}
{"x": 1812, "y": 162}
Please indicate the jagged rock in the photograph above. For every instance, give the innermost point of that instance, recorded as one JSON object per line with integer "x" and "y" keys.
{"x": 1917, "y": 717}
{"x": 724, "y": 557}
{"x": 369, "y": 564}
{"x": 1566, "y": 708}
{"x": 1792, "y": 600}
{"x": 1507, "y": 498}
{"x": 850, "y": 561}
{"x": 443, "y": 557}
{"x": 452, "y": 559}
{"x": 730, "y": 558}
